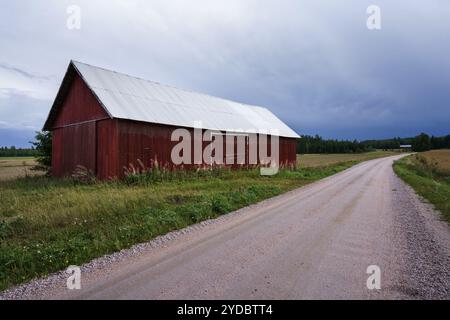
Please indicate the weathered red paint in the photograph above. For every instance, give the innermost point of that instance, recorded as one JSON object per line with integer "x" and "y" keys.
{"x": 79, "y": 105}
{"x": 75, "y": 130}
{"x": 107, "y": 149}
{"x": 84, "y": 134}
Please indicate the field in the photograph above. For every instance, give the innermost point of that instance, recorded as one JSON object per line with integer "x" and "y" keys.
{"x": 429, "y": 174}
{"x": 319, "y": 160}
{"x": 47, "y": 224}
{"x": 14, "y": 167}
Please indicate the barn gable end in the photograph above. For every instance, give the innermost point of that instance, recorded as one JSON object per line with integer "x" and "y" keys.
{"x": 81, "y": 130}
{"x": 74, "y": 103}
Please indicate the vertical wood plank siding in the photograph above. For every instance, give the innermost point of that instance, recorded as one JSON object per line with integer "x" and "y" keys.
{"x": 107, "y": 149}
{"x": 150, "y": 142}
{"x": 72, "y": 146}
{"x": 75, "y": 131}
{"x": 79, "y": 105}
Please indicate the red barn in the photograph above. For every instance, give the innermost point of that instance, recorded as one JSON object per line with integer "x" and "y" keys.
{"x": 105, "y": 121}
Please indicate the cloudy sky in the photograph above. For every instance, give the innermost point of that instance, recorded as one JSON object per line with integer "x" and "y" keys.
{"x": 315, "y": 64}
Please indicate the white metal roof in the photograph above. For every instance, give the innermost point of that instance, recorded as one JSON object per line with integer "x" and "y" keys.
{"x": 127, "y": 97}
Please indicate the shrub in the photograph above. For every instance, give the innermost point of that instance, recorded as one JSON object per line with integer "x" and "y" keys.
{"x": 43, "y": 145}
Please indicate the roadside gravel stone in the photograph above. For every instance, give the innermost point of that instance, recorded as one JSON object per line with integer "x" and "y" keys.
{"x": 424, "y": 242}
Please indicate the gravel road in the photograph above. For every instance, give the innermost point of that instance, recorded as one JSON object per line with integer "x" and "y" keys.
{"x": 314, "y": 242}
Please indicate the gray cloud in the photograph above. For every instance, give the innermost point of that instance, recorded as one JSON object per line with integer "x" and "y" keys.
{"x": 23, "y": 72}
{"x": 313, "y": 63}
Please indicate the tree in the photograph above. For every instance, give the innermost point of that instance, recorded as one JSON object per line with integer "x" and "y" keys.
{"x": 43, "y": 145}
{"x": 316, "y": 144}
{"x": 421, "y": 142}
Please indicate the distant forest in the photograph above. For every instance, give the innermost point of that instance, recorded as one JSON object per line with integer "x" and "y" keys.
{"x": 315, "y": 144}
{"x": 422, "y": 142}
{"x": 17, "y": 152}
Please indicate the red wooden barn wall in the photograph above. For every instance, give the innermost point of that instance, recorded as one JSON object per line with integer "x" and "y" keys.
{"x": 84, "y": 134}
{"x": 75, "y": 130}
{"x": 147, "y": 142}
{"x": 107, "y": 149}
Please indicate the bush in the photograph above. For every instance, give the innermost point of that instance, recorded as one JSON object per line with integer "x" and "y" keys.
{"x": 43, "y": 145}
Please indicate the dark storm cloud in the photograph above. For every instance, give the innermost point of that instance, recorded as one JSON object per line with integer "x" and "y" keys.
{"x": 313, "y": 63}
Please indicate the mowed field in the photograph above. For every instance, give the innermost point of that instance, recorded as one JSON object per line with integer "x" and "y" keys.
{"x": 47, "y": 224}
{"x": 319, "y": 160}
{"x": 14, "y": 167}
{"x": 429, "y": 175}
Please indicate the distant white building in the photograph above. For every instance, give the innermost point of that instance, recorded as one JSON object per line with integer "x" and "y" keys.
{"x": 405, "y": 147}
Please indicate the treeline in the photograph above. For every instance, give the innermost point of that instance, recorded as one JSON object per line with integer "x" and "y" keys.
{"x": 387, "y": 144}
{"x": 316, "y": 144}
{"x": 422, "y": 142}
{"x": 17, "y": 152}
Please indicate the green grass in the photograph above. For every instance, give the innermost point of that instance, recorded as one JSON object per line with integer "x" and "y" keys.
{"x": 48, "y": 224}
{"x": 428, "y": 174}
{"x": 17, "y": 158}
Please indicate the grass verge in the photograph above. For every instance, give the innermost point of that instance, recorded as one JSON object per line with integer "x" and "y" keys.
{"x": 428, "y": 173}
{"x": 48, "y": 224}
